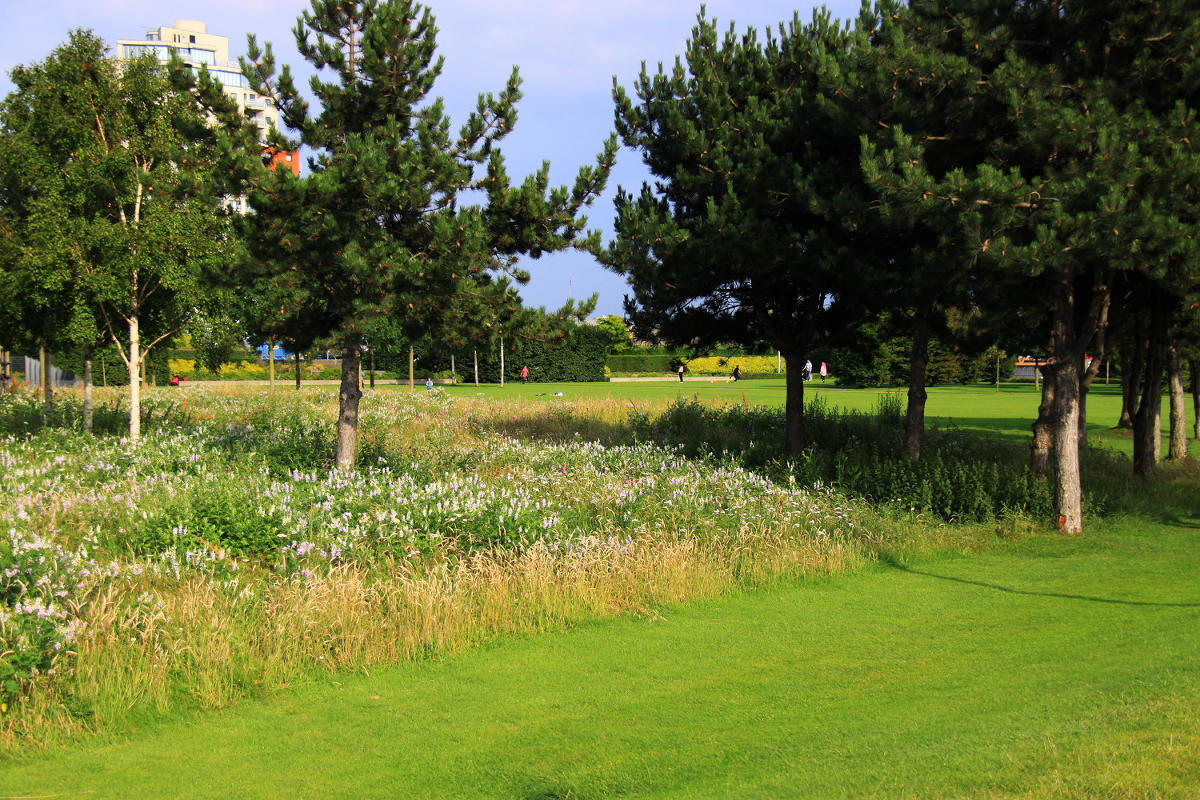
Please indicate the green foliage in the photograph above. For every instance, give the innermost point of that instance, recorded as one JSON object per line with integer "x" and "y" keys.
{"x": 23, "y": 414}
{"x": 221, "y": 516}
{"x": 41, "y": 586}
{"x": 639, "y": 363}
{"x": 959, "y": 477}
{"x": 618, "y": 333}
{"x": 214, "y": 337}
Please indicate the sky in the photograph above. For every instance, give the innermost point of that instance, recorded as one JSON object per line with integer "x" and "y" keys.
{"x": 568, "y": 52}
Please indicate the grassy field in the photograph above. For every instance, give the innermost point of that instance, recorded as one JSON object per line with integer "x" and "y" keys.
{"x": 495, "y": 606}
{"x": 1053, "y": 669}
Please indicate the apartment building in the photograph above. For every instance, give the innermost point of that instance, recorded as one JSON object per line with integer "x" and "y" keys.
{"x": 191, "y": 41}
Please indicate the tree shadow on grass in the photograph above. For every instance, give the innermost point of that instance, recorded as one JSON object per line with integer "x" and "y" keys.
{"x": 1011, "y": 590}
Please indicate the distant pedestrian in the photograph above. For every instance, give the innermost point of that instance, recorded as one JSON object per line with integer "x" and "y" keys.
{"x": 429, "y": 384}
{"x": 737, "y": 374}
{"x": 807, "y": 369}
{"x": 824, "y": 371}
{"x": 525, "y": 374}
{"x": 681, "y": 373}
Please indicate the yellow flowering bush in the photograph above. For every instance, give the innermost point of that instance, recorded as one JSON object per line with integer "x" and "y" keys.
{"x": 723, "y": 365}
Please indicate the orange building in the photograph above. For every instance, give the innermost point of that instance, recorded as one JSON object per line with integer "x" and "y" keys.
{"x": 289, "y": 158}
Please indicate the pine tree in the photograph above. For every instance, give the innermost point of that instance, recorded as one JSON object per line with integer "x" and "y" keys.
{"x": 749, "y": 232}
{"x": 383, "y": 223}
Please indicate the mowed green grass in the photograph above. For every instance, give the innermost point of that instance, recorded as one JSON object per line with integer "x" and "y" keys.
{"x": 1056, "y": 668}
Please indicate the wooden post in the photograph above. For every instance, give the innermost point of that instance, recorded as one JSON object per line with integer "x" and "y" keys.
{"x": 453, "y": 374}
{"x": 271, "y": 360}
{"x": 476, "y": 354}
{"x": 371, "y": 354}
{"x": 297, "y": 369}
{"x": 411, "y": 383}
{"x": 502, "y": 359}
{"x": 997, "y": 372}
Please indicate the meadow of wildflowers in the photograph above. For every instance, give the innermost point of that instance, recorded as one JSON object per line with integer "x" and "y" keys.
{"x": 222, "y": 554}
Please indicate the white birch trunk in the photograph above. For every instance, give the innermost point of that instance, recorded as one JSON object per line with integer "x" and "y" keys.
{"x": 135, "y": 382}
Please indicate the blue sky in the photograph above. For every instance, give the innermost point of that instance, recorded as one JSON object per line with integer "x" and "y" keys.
{"x": 568, "y": 52}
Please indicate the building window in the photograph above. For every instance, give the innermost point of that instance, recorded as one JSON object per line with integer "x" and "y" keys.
{"x": 287, "y": 157}
{"x": 191, "y": 39}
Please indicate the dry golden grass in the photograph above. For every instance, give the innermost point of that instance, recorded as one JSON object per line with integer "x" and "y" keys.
{"x": 208, "y": 645}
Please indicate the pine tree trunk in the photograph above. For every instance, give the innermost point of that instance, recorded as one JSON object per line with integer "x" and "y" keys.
{"x": 453, "y": 372}
{"x": 794, "y": 405}
{"x": 502, "y": 359}
{"x": 1064, "y": 371}
{"x": 1087, "y": 377}
{"x": 1039, "y": 448}
{"x": 1082, "y": 436}
{"x": 371, "y": 353}
{"x": 411, "y": 381}
{"x": 476, "y": 356}
{"x": 348, "y": 397}
{"x": 1147, "y": 421}
{"x": 1068, "y": 493}
{"x": 1179, "y": 441}
{"x": 914, "y": 423}
{"x": 87, "y": 388}
{"x": 297, "y": 355}
{"x": 1196, "y": 398}
{"x": 271, "y": 360}
{"x": 1133, "y": 367}
{"x": 135, "y": 380}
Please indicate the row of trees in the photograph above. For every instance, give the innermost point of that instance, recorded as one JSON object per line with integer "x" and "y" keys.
{"x": 115, "y": 222}
{"x": 1030, "y": 165}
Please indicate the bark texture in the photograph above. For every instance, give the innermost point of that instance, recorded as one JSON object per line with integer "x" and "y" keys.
{"x": 1196, "y": 398}
{"x": 1178, "y": 449}
{"x": 135, "y": 380}
{"x": 1147, "y": 420}
{"x": 348, "y": 397}
{"x": 794, "y": 405}
{"x": 1039, "y": 448}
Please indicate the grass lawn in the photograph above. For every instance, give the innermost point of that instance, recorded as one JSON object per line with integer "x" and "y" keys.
{"x": 1057, "y": 668}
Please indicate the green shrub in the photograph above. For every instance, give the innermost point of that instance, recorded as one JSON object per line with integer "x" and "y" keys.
{"x": 959, "y": 476}
{"x": 41, "y": 587}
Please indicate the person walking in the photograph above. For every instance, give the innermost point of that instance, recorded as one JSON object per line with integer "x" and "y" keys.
{"x": 681, "y": 373}
{"x": 824, "y": 371}
{"x": 525, "y": 373}
{"x": 737, "y": 373}
{"x": 808, "y": 369}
